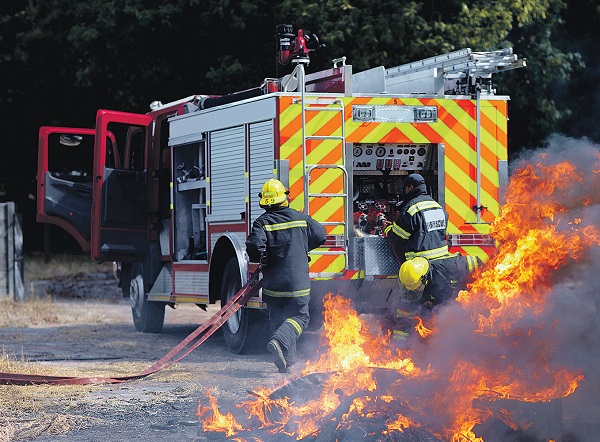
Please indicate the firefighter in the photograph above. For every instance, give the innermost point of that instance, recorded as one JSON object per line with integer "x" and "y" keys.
{"x": 280, "y": 240}
{"x": 438, "y": 279}
{"x": 420, "y": 227}
{"x": 428, "y": 283}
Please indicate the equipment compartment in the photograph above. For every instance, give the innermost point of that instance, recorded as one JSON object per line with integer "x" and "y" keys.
{"x": 189, "y": 201}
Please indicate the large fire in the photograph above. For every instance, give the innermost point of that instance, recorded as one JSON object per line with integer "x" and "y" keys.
{"x": 496, "y": 343}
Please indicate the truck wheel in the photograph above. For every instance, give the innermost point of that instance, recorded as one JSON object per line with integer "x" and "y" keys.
{"x": 148, "y": 316}
{"x": 246, "y": 330}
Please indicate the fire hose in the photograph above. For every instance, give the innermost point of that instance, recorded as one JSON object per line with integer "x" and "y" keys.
{"x": 178, "y": 352}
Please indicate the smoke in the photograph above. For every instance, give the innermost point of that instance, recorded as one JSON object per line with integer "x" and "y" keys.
{"x": 517, "y": 366}
{"x": 574, "y": 302}
{"x": 574, "y": 299}
{"x": 538, "y": 346}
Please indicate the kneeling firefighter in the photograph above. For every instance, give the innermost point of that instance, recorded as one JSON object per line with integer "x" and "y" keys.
{"x": 438, "y": 279}
{"x": 280, "y": 240}
{"x": 430, "y": 283}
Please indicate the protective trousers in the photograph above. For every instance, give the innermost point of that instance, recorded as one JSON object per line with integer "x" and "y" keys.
{"x": 288, "y": 317}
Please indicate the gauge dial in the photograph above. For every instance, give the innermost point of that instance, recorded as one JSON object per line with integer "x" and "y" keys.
{"x": 380, "y": 151}
{"x": 357, "y": 151}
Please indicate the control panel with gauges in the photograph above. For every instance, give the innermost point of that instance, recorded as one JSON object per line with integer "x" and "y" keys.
{"x": 378, "y": 175}
{"x": 391, "y": 157}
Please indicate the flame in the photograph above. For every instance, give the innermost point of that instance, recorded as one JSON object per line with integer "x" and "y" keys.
{"x": 215, "y": 421}
{"x": 506, "y": 301}
{"x": 421, "y": 329}
{"x": 494, "y": 343}
{"x": 350, "y": 344}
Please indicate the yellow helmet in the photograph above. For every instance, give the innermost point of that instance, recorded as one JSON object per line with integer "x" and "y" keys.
{"x": 412, "y": 271}
{"x": 273, "y": 193}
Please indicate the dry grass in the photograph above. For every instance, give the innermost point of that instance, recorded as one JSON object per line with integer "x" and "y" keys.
{"x": 61, "y": 265}
{"x": 46, "y": 425}
{"x": 43, "y": 310}
{"x": 33, "y": 311}
{"x": 27, "y": 412}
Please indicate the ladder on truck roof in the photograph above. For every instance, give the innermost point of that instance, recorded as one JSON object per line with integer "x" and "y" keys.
{"x": 336, "y": 106}
{"x": 430, "y": 75}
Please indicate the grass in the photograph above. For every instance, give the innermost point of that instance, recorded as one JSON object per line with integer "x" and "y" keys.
{"x": 38, "y": 311}
{"x": 36, "y": 268}
{"x": 33, "y": 311}
{"x": 42, "y": 310}
{"x": 27, "y": 412}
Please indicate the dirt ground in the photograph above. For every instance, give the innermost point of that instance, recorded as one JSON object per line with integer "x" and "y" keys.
{"x": 104, "y": 343}
{"x": 161, "y": 407}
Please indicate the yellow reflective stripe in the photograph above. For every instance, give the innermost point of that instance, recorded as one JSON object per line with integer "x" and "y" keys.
{"x": 400, "y": 313}
{"x": 422, "y": 205}
{"x": 399, "y": 334}
{"x": 388, "y": 228}
{"x": 400, "y": 231}
{"x": 449, "y": 255}
{"x": 471, "y": 262}
{"x": 286, "y": 225}
{"x": 292, "y": 294}
{"x": 429, "y": 254}
{"x": 294, "y": 324}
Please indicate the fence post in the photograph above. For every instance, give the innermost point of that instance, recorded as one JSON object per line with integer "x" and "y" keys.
{"x": 11, "y": 253}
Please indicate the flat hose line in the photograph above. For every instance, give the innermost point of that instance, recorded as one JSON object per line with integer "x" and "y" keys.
{"x": 178, "y": 352}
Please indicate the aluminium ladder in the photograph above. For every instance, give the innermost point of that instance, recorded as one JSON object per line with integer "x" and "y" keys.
{"x": 324, "y": 105}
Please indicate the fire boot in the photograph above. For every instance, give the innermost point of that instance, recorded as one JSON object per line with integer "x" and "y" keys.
{"x": 290, "y": 355}
{"x": 278, "y": 357}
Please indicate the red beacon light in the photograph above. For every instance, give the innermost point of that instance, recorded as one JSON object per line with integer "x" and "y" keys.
{"x": 294, "y": 48}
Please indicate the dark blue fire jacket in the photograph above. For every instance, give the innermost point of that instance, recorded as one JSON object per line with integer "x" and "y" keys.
{"x": 284, "y": 236}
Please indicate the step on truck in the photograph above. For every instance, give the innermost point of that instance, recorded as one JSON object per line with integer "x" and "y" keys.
{"x": 170, "y": 196}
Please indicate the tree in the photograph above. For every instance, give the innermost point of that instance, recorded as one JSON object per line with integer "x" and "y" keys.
{"x": 392, "y": 32}
{"x": 61, "y": 60}
{"x": 582, "y": 93}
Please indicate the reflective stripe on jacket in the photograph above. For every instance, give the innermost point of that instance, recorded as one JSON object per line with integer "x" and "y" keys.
{"x": 284, "y": 236}
{"x": 447, "y": 276}
{"x": 421, "y": 227}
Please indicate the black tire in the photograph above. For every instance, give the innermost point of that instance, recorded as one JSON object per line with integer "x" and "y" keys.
{"x": 148, "y": 316}
{"x": 246, "y": 331}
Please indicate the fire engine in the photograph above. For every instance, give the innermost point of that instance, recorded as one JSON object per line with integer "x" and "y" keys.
{"x": 170, "y": 195}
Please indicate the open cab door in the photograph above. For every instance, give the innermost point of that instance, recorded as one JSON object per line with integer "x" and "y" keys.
{"x": 64, "y": 180}
{"x": 120, "y": 186}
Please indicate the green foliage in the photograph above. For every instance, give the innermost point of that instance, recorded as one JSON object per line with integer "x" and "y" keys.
{"x": 123, "y": 54}
{"x": 61, "y": 60}
{"x": 391, "y": 32}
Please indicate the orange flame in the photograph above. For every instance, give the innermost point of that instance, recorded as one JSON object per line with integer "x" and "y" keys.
{"x": 215, "y": 421}
{"x": 421, "y": 329}
{"x": 533, "y": 242}
{"x": 495, "y": 345}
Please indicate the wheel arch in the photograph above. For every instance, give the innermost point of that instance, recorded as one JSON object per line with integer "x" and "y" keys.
{"x": 226, "y": 247}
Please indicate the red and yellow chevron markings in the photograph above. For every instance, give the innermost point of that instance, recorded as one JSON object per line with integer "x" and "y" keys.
{"x": 456, "y": 129}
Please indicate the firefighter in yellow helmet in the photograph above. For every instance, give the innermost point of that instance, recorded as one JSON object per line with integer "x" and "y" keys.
{"x": 412, "y": 273}
{"x": 280, "y": 240}
{"x": 429, "y": 282}
{"x": 438, "y": 279}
